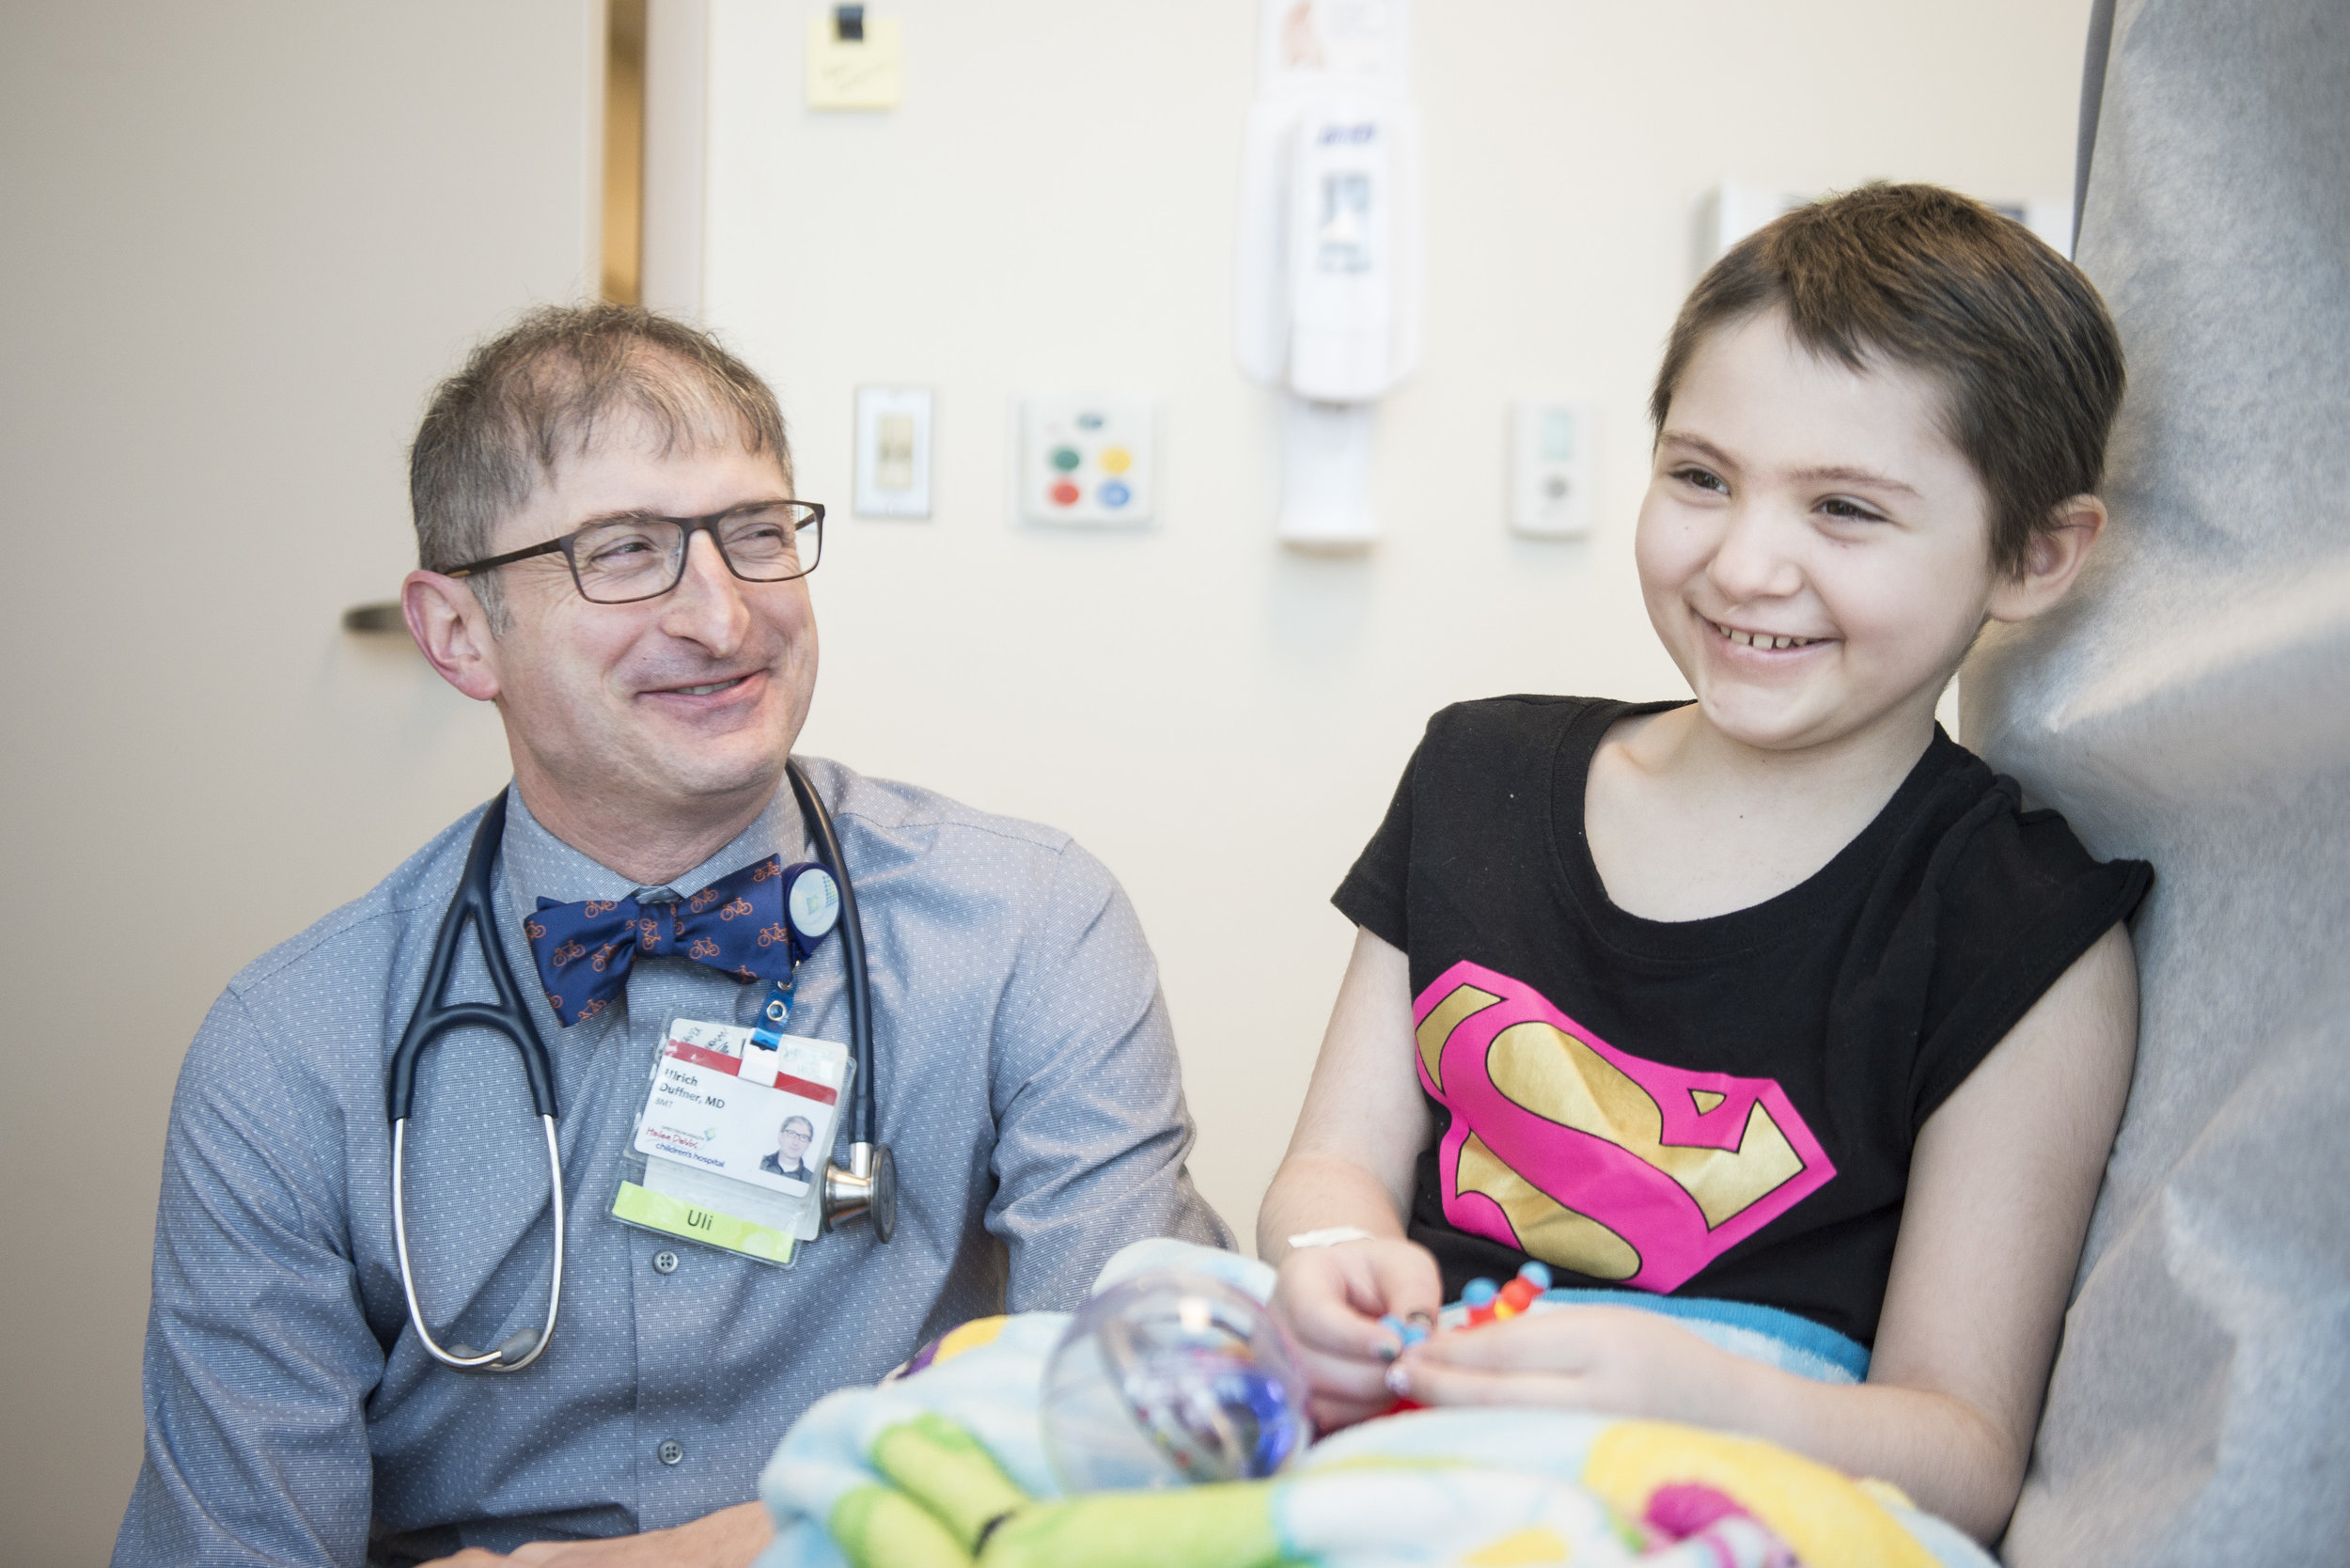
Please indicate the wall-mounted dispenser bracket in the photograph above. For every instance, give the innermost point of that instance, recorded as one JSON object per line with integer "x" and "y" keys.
{"x": 1327, "y": 303}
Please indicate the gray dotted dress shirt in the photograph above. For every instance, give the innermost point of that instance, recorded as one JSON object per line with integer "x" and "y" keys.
{"x": 1027, "y": 1080}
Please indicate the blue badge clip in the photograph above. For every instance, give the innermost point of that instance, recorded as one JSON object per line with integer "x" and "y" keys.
{"x": 779, "y": 1008}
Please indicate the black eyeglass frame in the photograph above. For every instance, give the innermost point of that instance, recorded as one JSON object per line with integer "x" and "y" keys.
{"x": 812, "y": 521}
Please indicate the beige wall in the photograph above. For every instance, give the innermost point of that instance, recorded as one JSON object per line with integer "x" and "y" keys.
{"x": 242, "y": 241}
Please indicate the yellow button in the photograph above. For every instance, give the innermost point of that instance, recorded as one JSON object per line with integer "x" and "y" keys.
{"x": 1116, "y": 460}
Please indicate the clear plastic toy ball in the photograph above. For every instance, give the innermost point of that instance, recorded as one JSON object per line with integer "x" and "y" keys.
{"x": 1171, "y": 1379}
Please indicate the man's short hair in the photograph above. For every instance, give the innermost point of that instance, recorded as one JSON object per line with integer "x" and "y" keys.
{"x": 544, "y": 390}
{"x": 1924, "y": 278}
{"x": 801, "y": 1123}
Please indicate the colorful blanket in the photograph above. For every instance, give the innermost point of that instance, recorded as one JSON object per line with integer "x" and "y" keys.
{"x": 945, "y": 1467}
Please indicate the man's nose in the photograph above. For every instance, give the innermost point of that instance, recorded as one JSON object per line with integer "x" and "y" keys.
{"x": 707, "y": 605}
{"x": 1755, "y": 558}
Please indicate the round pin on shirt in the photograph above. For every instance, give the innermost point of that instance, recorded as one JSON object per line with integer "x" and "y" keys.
{"x": 811, "y": 901}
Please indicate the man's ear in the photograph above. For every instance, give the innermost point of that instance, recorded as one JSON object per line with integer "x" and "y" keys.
{"x": 453, "y": 631}
{"x": 2056, "y": 556}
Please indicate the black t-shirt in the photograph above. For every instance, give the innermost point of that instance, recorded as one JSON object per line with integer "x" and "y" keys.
{"x": 1720, "y": 1107}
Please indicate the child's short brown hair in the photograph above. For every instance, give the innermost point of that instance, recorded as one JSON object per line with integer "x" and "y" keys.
{"x": 1924, "y": 278}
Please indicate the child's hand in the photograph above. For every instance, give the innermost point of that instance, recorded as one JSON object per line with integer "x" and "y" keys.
{"x": 1618, "y": 1361}
{"x": 1331, "y": 1299}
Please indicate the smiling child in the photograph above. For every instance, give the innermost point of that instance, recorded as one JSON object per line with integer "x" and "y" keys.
{"x": 1779, "y": 996}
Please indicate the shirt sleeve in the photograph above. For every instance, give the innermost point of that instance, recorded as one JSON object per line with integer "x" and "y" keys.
{"x": 259, "y": 1358}
{"x": 2020, "y": 907}
{"x": 1373, "y": 895}
{"x": 1091, "y": 1128}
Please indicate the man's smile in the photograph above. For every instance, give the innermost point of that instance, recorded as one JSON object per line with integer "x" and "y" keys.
{"x": 707, "y": 689}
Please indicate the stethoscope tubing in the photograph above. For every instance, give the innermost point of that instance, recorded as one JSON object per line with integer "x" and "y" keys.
{"x": 860, "y": 990}
{"x": 461, "y": 1356}
{"x": 435, "y": 1016}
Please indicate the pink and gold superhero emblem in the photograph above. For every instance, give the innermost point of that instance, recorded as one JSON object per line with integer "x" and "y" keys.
{"x": 1592, "y": 1159}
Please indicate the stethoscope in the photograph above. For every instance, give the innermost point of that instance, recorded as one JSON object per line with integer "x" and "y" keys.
{"x": 868, "y": 1186}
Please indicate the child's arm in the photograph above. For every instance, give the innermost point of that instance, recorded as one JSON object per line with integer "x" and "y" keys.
{"x": 2000, "y": 1188}
{"x": 1351, "y": 1163}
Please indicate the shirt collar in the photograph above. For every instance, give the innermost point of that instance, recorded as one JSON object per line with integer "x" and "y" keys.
{"x": 537, "y": 865}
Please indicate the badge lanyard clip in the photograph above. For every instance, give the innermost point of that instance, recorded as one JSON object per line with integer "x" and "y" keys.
{"x": 812, "y": 905}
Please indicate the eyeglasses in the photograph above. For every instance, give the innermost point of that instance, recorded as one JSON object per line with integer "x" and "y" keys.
{"x": 619, "y": 560}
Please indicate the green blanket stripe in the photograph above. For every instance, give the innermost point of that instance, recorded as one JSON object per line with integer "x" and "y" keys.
{"x": 878, "y": 1528}
{"x": 953, "y": 1490}
{"x": 1222, "y": 1525}
{"x": 947, "y": 1471}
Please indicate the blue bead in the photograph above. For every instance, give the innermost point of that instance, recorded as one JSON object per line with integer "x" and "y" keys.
{"x": 1413, "y": 1334}
{"x": 1477, "y": 1293}
{"x": 1536, "y": 1275}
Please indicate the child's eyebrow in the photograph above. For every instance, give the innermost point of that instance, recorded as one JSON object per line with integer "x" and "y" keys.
{"x": 1697, "y": 444}
{"x": 1839, "y": 474}
{"x": 1827, "y": 474}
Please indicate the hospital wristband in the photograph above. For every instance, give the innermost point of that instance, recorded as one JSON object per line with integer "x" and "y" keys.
{"x": 1332, "y": 1236}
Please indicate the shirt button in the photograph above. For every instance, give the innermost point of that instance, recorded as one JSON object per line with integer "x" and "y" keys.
{"x": 670, "y": 1452}
{"x": 664, "y": 1262}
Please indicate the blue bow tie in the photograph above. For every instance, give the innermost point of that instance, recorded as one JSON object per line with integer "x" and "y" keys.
{"x": 737, "y": 924}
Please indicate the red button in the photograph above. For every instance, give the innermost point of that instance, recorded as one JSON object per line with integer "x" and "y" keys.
{"x": 1065, "y": 494}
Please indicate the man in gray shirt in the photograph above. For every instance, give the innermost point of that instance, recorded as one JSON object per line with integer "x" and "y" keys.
{"x": 652, "y": 667}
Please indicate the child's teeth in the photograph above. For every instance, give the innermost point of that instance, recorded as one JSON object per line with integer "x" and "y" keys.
{"x": 1763, "y": 639}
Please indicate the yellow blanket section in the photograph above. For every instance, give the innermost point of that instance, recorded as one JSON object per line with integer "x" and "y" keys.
{"x": 1830, "y": 1522}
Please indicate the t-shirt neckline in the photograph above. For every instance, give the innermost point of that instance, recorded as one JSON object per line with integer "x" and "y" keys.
{"x": 1782, "y": 916}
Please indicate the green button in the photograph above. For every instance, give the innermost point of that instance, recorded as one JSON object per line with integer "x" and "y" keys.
{"x": 1066, "y": 458}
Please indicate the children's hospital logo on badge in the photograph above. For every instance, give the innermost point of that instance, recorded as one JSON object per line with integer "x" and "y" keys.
{"x": 1593, "y": 1159}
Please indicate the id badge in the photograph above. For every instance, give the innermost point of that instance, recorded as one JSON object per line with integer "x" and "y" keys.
{"x": 732, "y": 1140}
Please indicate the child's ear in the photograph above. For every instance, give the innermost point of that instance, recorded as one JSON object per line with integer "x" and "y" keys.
{"x": 2054, "y": 559}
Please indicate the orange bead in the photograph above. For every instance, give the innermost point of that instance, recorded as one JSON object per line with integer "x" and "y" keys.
{"x": 1480, "y": 1314}
{"x": 1519, "y": 1293}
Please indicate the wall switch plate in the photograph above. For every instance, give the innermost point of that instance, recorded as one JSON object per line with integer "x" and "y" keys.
{"x": 1553, "y": 478}
{"x": 1085, "y": 458}
{"x": 893, "y": 451}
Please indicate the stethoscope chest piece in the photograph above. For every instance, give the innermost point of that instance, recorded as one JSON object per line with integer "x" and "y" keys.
{"x": 866, "y": 1189}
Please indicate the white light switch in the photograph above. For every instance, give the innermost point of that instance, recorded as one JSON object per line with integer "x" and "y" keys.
{"x": 1086, "y": 459}
{"x": 1552, "y": 475}
{"x": 893, "y": 451}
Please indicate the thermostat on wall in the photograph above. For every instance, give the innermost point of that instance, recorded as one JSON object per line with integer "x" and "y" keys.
{"x": 1086, "y": 459}
{"x": 1551, "y": 474}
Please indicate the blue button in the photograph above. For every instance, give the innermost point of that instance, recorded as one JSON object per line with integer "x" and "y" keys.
{"x": 1115, "y": 493}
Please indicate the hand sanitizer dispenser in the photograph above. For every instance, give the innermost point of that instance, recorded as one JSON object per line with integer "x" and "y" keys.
{"x": 1329, "y": 255}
